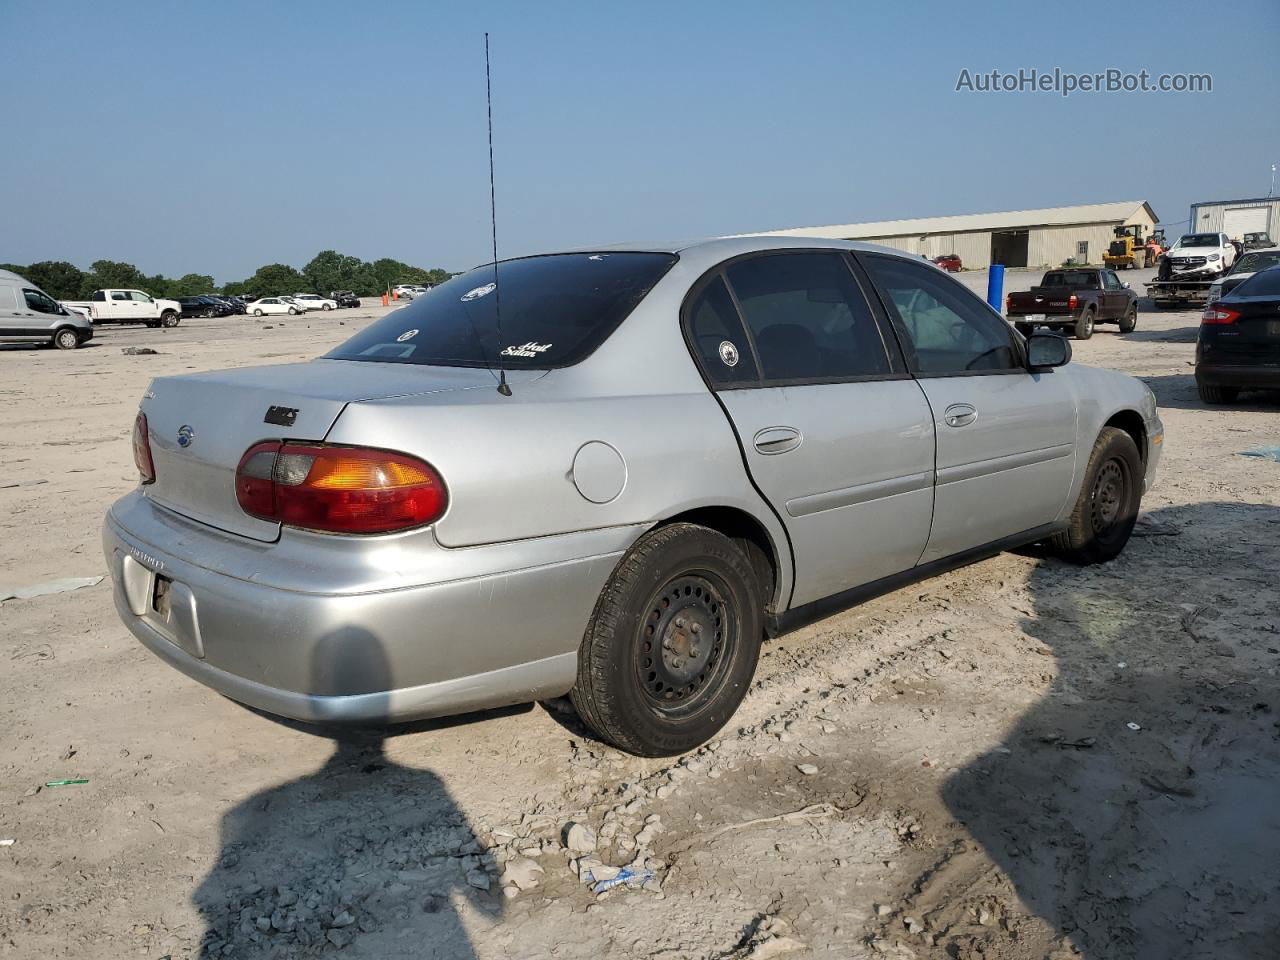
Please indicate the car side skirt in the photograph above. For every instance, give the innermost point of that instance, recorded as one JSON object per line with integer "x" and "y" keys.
{"x": 797, "y": 617}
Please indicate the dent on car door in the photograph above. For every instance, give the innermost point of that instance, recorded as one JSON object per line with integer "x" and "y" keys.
{"x": 1005, "y": 437}
{"x": 835, "y": 433}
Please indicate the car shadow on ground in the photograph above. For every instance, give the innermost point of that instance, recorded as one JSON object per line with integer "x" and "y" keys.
{"x": 364, "y": 853}
{"x": 1178, "y": 391}
{"x": 1135, "y": 807}
{"x": 1185, "y": 334}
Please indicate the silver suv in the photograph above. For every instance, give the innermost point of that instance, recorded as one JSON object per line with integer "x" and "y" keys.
{"x": 29, "y": 315}
{"x": 610, "y": 474}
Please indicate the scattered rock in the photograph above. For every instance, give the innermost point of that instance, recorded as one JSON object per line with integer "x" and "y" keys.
{"x": 478, "y": 878}
{"x": 523, "y": 873}
{"x": 340, "y": 936}
{"x": 883, "y": 909}
{"x": 579, "y": 838}
{"x": 138, "y": 351}
{"x": 808, "y": 769}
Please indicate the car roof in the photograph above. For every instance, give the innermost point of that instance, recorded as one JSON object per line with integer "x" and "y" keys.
{"x": 717, "y": 249}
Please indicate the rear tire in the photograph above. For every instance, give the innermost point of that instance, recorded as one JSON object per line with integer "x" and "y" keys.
{"x": 1084, "y": 326}
{"x": 1212, "y": 393}
{"x": 672, "y": 644}
{"x": 1129, "y": 322}
{"x": 66, "y": 339}
{"x": 1107, "y": 507}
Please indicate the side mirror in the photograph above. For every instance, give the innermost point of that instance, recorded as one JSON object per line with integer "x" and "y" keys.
{"x": 1125, "y": 284}
{"x": 1047, "y": 350}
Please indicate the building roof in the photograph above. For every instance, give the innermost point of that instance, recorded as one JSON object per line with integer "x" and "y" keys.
{"x": 1048, "y": 216}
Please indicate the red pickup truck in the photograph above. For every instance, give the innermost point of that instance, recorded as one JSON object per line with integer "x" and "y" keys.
{"x": 1075, "y": 299}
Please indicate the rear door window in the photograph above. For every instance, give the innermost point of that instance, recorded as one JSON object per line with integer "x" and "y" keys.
{"x": 949, "y": 329}
{"x": 555, "y": 311}
{"x": 808, "y": 317}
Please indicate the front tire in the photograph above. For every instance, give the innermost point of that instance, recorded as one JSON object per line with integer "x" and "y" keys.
{"x": 1212, "y": 393}
{"x": 672, "y": 644}
{"x": 1107, "y": 507}
{"x": 325, "y": 307}
{"x": 170, "y": 319}
{"x": 257, "y": 313}
{"x": 1084, "y": 326}
{"x": 1129, "y": 322}
{"x": 293, "y": 312}
{"x": 66, "y": 339}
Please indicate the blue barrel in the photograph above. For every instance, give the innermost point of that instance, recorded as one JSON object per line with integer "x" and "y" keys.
{"x": 995, "y": 286}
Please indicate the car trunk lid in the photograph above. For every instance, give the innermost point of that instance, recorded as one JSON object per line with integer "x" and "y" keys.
{"x": 200, "y": 425}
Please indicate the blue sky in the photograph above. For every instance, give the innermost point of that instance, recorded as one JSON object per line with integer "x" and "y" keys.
{"x": 216, "y": 137}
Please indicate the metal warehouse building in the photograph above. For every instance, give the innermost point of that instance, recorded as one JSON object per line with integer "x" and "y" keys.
{"x": 1235, "y": 218}
{"x": 1016, "y": 238}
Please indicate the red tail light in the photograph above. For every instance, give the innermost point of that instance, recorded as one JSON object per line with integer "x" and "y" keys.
{"x": 1220, "y": 315}
{"x": 142, "y": 450}
{"x": 1072, "y": 302}
{"x": 1008, "y": 302}
{"x": 338, "y": 489}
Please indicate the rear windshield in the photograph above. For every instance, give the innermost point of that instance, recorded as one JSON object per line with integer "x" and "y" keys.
{"x": 1253, "y": 262}
{"x": 555, "y": 311}
{"x": 1264, "y": 284}
{"x": 1070, "y": 278}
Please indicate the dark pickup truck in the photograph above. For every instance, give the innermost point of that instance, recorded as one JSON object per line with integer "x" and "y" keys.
{"x": 1075, "y": 299}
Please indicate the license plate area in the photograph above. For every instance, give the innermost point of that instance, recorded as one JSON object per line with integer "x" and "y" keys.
{"x": 168, "y": 606}
{"x": 1032, "y": 318}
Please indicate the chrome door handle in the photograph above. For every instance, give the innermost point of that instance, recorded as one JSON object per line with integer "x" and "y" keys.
{"x": 960, "y": 415}
{"x": 773, "y": 440}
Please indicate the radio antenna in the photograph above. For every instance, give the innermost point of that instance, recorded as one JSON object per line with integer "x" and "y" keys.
{"x": 503, "y": 388}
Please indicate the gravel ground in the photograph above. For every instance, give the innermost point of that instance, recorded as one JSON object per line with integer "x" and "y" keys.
{"x": 1020, "y": 759}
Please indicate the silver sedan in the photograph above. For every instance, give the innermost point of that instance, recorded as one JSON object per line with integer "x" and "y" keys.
{"x": 610, "y": 474}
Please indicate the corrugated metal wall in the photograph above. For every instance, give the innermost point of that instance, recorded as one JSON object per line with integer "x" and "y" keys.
{"x": 973, "y": 248}
{"x": 1208, "y": 216}
{"x": 1050, "y": 246}
{"x": 1046, "y": 246}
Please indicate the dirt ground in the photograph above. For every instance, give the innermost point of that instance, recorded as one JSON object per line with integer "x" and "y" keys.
{"x": 1020, "y": 759}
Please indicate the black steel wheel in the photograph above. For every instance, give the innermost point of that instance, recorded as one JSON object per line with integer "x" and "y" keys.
{"x": 1107, "y": 506}
{"x": 682, "y": 647}
{"x": 672, "y": 645}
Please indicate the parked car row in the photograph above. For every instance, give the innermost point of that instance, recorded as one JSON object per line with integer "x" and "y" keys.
{"x": 408, "y": 291}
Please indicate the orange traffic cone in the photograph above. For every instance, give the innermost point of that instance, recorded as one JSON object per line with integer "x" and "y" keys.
{"x": 384, "y": 300}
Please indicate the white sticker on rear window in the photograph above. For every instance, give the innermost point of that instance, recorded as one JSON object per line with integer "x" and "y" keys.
{"x": 407, "y": 335}
{"x": 529, "y": 349}
{"x": 479, "y": 292}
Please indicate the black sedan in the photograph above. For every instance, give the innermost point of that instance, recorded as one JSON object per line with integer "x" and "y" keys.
{"x": 344, "y": 298}
{"x": 1239, "y": 343}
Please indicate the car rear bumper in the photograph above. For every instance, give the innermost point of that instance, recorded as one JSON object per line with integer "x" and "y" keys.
{"x": 506, "y": 632}
{"x": 1239, "y": 375}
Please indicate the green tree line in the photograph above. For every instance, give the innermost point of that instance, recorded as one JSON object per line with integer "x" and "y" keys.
{"x": 327, "y": 271}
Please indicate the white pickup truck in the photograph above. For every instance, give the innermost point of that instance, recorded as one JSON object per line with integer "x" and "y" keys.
{"x": 128, "y": 306}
